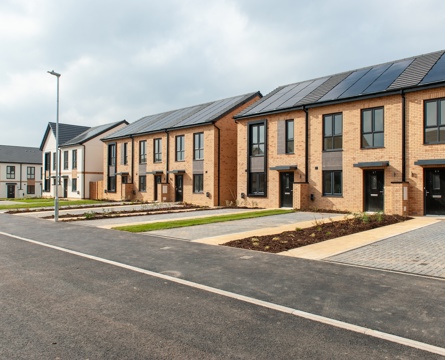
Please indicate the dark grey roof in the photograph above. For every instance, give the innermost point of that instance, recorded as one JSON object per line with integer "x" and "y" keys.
{"x": 20, "y": 154}
{"x": 92, "y": 133}
{"x": 181, "y": 118}
{"x": 66, "y": 132}
{"x": 411, "y": 73}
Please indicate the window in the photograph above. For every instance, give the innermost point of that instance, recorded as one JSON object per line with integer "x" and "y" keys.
{"x": 74, "y": 159}
{"x": 31, "y": 173}
{"x": 435, "y": 121}
{"x": 157, "y": 150}
{"x": 54, "y": 161}
{"x": 125, "y": 153}
{"x": 289, "y": 136}
{"x": 74, "y": 185}
{"x": 198, "y": 146}
{"x": 10, "y": 172}
{"x": 332, "y": 132}
{"x": 372, "y": 128}
{"x": 257, "y": 184}
{"x": 111, "y": 183}
{"x": 65, "y": 160}
{"x": 257, "y": 138}
{"x": 142, "y": 152}
{"x": 112, "y": 154}
{"x": 332, "y": 183}
{"x": 124, "y": 179}
{"x": 180, "y": 148}
{"x": 143, "y": 183}
{"x": 31, "y": 189}
{"x": 198, "y": 183}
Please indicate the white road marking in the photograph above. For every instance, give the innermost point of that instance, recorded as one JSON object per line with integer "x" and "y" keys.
{"x": 303, "y": 314}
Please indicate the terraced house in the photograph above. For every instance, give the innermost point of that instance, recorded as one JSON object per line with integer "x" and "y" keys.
{"x": 371, "y": 139}
{"x": 80, "y": 158}
{"x": 184, "y": 155}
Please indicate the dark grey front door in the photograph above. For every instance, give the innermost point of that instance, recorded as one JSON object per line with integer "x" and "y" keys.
{"x": 65, "y": 187}
{"x": 374, "y": 183}
{"x": 11, "y": 191}
{"x": 435, "y": 191}
{"x": 179, "y": 185}
{"x": 286, "y": 189}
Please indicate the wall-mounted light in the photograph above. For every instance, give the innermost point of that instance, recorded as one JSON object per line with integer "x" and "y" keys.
{"x": 243, "y": 196}
{"x": 208, "y": 194}
{"x": 312, "y": 197}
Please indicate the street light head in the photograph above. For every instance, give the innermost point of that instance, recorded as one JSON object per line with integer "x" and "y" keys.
{"x": 52, "y": 72}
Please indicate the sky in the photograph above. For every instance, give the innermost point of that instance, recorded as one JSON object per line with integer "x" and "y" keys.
{"x": 128, "y": 59}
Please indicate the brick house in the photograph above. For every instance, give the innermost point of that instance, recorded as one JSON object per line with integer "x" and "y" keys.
{"x": 20, "y": 172}
{"x": 80, "y": 158}
{"x": 371, "y": 139}
{"x": 184, "y": 155}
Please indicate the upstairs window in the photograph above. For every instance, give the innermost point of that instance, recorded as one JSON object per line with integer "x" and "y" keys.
{"x": 289, "y": 136}
{"x": 198, "y": 145}
{"x": 257, "y": 139}
{"x": 157, "y": 150}
{"x": 112, "y": 154}
{"x": 142, "y": 152}
{"x": 31, "y": 173}
{"x": 332, "y": 132}
{"x": 74, "y": 159}
{"x": 435, "y": 121}
{"x": 10, "y": 172}
{"x": 180, "y": 151}
{"x": 125, "y": 152}
{"x": 54, "y": 161}
{"x": 65, "y": 160}
{"x": 372, "y": 128}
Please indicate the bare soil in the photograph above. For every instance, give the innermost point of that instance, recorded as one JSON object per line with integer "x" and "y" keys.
{"x": 319, "y": 232}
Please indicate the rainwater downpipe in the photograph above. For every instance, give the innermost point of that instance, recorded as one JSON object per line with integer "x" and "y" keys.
{"x": 403, "y": 136}
{"x": 306, "y": 145}
{"x": 167, "y": 156}
{"x": 85, "y": 173}
{"x": 132, "y": 159}
{"x": 219, "y": 163}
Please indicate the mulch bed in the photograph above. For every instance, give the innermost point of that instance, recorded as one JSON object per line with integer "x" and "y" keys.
{"x": 319, "y": 232}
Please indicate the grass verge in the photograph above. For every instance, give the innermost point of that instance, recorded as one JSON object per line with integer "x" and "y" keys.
{"x": 199, "y": 221}
{"x": 40, "y": 203}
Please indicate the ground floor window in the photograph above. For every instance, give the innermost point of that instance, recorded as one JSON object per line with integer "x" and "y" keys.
{"x": 143, "y": 183}
{"x": 257, "y": 183}
{"x": 74, "y": 185}
{"x": 198, "y": 183}
{"x": 47, "y": 185}
{"x": 31, "y": 189}
{"x": 332, "y": 183}
{"x": 124, "y": 179}
{"x": 111, "y": 183}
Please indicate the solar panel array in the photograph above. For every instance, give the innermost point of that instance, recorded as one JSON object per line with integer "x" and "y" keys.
{"x": 186, "y": 117}
{"x": 416, "y": 71}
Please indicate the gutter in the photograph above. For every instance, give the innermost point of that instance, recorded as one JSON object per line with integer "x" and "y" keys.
{"x": 219, "y": 163}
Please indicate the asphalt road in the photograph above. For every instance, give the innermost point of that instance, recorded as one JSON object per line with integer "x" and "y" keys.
{"x": 61, "y": 305}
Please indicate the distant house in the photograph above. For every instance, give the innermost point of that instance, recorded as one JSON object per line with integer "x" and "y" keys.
{"x": 184, "y": 155}
{"x": 20, "y": 172}
{"x": 371, "y": 139}
{"x": 80, "y": 158}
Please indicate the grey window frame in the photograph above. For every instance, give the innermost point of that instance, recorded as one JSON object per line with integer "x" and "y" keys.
{"x": 198, "y": 183}
{"x": 125, "y": 151}
{"x": 65, "y": 160}
{"x": 180, "y": 148}
{"x": 10, "y": 172}
{"x": 112, "y": 154}
{"x": 290, "y": 140}
{"x": 255, "y": 142}
{"x": 74, "y": 159}
{"x": 259, "y": 178}
{"x": 439, "y": 127}
{"x": 198, "y": 146}
{"x": 142, "y": 183}
{"x": 333, "y": 136}
{"x": 31, "y": 172}
{"x": 28, "y": 189}
{"x": 373, "y": 132}
{"x": 331, "y": 191}
{"x": 74, "y": 184}
{"x": 143, "y": 152}
{"x": 157, "y": 150}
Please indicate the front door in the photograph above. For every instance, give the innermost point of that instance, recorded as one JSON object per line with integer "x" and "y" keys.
{"x": 374, "y": 197}
{"x": 158, "y": 180}
{"x": 435, "y": 191}
{"x": 179, "y": 184}
{"x": 65, "y": 187}
{"x": 286, "y": 189}
{"x": 11, "y": 191}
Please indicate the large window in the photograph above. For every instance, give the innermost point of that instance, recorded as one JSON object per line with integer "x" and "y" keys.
{"x": 435, "y": 121}
{"x": 157, "y": 150}
{"x": 31, "y": 173}
{"x": 289, "y": 136}
{"x": 74, "y": 185}
{"x": 112, "y": 154}
{"x": 10, "y": 172}
{"x": 198, "y": 183}
{"x": 332, "y": 132}
{"x": 180, "y": 148}
{"x": 257, "y": 184}
{"x": 332, "y": 183}
{"x": 74, "y": 159}
{"x": 372, "y": 128}
{"x": 198, "y": 146}
{"x": 143, "y": 183}
{"x": 142, "y": 152}
{"x": 111, "y": 183}
{"x": 257, "y": 139}
{"x": 65, "y": 160}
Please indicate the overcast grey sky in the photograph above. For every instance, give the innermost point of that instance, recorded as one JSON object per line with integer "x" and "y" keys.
{"x": 128, "y": 59}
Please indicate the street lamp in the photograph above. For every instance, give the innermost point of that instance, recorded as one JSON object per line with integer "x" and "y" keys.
{"x": 56, "y": 199}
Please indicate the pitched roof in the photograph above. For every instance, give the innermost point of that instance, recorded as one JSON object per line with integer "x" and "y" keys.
{"x": 66, "y": 132}
{"x": 378, "y": 80}
{"x": 20, "y": 154}
{"x": 181, "y": 118}
{"x": 92, "y": 133}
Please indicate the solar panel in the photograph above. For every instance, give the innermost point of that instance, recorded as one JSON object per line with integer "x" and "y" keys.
{"x": 343, "y": 86}
{"x": 265, "y": 105}
{"x": 437, "y": 73}
{"x": 388, "y": 77}
{"x": 303, "y": 93}
{"x": 371, "y": 76}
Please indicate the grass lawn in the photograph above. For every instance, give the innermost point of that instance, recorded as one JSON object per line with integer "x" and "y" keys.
{"x": 199, "y": 221}
{"x": 39, "y": 202}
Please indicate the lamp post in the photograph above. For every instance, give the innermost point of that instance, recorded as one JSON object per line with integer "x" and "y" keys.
{"x": 56, "y": 198}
